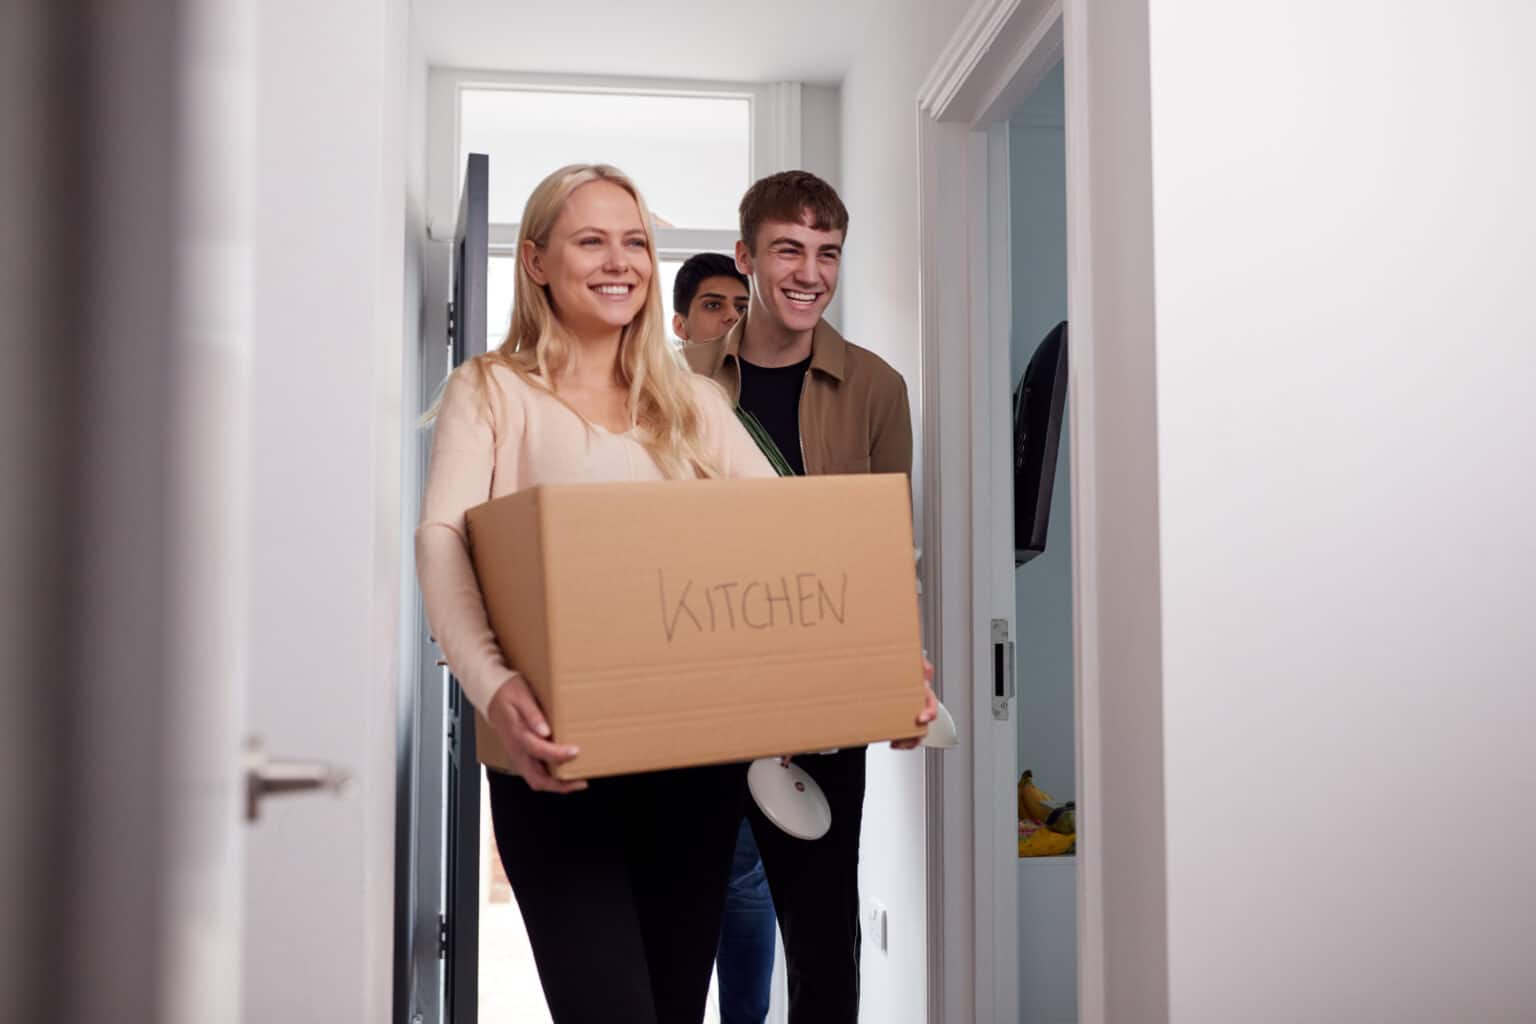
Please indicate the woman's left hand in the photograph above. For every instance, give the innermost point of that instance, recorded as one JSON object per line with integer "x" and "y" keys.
{"x": 930, "y": 708}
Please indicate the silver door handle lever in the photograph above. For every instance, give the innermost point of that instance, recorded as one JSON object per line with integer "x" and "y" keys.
{"x": 266, "y": 777}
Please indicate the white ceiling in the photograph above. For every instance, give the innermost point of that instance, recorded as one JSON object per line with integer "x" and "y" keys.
{"x": 729, "y": 40}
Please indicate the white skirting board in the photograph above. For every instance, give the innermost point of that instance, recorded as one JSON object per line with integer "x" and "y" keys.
{"x": 1047, "y": 940}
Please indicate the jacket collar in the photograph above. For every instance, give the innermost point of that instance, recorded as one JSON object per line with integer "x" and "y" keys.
{"x": 829, "y": 350}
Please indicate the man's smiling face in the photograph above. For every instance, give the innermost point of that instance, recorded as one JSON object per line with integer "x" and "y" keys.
{"x": 793, "y": 268}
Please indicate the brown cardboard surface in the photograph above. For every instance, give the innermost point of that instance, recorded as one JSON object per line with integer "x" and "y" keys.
{"x": 690, "y": 622}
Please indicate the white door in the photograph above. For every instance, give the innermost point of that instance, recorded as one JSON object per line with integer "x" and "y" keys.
{"x": 284, "y": 522}
{"x": 325, "y": 509}
{"x": 208, "y": 625}
{"x": 290, "y": 435}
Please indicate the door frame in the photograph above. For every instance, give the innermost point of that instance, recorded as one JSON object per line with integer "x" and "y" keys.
{"x": 1001, "y": 50}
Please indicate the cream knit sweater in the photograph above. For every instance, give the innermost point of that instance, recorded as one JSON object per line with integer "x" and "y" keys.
{"x": 517, "y": 437}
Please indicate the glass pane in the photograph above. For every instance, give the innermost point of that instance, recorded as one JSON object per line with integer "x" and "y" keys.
{"x": 690, "y": 155}
{"x": 501, "y": 280}
{"x": 500, "y": 287}
{"x": 667, "y": 274}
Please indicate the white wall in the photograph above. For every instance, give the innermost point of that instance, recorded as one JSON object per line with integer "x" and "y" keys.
{"x": 325, "y": 494}
{"x": 821, "y": 149}
{"x": 821, "y": 131}
{"x": 1346, "y": 345}
{"x": 879, "y": 293}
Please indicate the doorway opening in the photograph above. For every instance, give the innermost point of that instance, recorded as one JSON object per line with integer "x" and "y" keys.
{"x": 1045, "y": 712}
{"x": 492, "y": 137}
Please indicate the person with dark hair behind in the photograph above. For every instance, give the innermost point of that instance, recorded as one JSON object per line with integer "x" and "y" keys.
{"x": 708, "y": 297}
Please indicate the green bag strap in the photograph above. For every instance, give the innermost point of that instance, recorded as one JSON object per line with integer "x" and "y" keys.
{"x": 765, "y": 443}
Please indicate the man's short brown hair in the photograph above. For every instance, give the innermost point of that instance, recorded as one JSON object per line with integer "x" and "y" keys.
{"x": 791, "y": 196}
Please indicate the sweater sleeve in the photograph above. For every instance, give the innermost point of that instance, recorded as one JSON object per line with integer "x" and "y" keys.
{"x": 737, "y": 454}
{"x": 464, "y": 453}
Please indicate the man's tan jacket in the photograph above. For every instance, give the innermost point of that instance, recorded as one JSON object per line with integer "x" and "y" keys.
{"x": 854, "y": 416}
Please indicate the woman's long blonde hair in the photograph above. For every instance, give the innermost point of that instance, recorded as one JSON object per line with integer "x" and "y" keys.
{"x": 661, "y": 399}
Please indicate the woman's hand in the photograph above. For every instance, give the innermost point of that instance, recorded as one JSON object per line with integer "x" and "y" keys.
{"x": 514, "y": 714}
{"x": 930, "y": 708}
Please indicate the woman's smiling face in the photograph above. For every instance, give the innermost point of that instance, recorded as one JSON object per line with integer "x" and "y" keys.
{"x": 596, "y": 262}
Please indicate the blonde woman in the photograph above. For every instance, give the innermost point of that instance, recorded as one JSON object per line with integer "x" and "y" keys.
{"x": 621, "y": 882}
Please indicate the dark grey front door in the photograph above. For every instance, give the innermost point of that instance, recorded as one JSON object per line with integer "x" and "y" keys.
{"x": 466, "y": 337}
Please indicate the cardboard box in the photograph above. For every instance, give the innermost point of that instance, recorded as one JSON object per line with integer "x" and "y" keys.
{"x": 694, "y": 622}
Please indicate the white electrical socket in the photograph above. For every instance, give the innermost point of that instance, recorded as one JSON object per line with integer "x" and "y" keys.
{"x": 877, "y": 924}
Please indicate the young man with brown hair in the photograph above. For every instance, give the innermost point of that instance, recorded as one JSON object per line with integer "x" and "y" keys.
{"x": 830, "y": 407}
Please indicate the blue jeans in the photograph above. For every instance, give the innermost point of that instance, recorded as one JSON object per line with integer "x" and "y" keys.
{"x": 744, "y": 960}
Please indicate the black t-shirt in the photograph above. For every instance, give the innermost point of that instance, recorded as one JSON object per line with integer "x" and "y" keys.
{"x": 772, "y": 394}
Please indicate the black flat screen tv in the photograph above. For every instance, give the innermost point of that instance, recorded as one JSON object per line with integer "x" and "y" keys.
{"x": 1038, "y": 403}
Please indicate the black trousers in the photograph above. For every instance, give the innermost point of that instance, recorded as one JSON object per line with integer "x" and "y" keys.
{"x": 622, "y": 887}
{"x": 815, "y": 887}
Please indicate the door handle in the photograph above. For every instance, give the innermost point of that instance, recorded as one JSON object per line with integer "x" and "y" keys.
{"x": 1002, "y": 669}
{"x": 266, "y": 776}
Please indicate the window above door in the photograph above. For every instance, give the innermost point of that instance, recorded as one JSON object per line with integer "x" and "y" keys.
{"x": 691, "y": 147}
{"x": 691, "y": 154}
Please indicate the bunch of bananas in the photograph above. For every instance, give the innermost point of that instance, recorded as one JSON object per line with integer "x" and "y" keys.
{"x": 1046, "y": 828}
